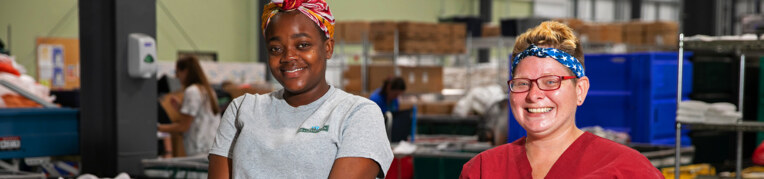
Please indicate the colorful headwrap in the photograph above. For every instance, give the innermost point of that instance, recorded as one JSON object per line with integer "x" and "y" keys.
{"x": 564, "y": 58}
{"x": 316, "y": 10}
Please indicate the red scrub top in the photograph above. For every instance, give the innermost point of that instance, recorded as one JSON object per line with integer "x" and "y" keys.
{"x": 590, "y": 156}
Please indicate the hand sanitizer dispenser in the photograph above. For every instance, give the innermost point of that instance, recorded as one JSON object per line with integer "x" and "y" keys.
{"x": 141, "y": 56}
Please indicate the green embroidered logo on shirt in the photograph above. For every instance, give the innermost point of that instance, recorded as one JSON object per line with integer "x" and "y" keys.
{"x": 314, "y": 129}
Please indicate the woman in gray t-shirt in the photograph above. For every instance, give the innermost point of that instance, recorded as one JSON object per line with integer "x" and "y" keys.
{"x": 308, "y": 129}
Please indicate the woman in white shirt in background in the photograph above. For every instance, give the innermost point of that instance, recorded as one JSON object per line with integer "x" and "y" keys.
{"x": 199, "y": 111}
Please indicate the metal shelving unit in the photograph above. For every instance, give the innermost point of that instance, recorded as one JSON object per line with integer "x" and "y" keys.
{"x": 738, "y": 47}
{"x": 471, "y": 43}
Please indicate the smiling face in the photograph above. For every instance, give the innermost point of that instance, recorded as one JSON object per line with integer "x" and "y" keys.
{"x": 544, "y": 112}
{"x": 297, "y": 52}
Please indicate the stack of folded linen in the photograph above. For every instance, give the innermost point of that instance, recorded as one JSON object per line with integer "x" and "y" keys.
{"x": 699, "y": 111}
{"x": 721, "y": 113}
{"x": 692, "y": 111}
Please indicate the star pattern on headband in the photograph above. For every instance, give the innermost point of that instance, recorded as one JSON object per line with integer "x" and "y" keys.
{"x": 564, "y": 58}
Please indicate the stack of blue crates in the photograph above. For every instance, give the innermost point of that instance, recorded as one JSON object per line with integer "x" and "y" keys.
{"x": 634, "y": 93}
{"x": 40, "y": 132}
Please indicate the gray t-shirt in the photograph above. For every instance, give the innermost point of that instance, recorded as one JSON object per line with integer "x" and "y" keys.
{"x": 271, "y": 139}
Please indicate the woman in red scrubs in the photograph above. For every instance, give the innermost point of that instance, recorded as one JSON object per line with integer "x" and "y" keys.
{"x": 548, "y": 83}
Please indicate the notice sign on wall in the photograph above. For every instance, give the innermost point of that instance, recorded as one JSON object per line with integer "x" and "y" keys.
{"x": 10, "y": 143}
{"x": 58, "y": 63}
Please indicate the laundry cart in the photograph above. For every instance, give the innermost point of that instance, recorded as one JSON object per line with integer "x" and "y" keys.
{"x": 34, "y": 132}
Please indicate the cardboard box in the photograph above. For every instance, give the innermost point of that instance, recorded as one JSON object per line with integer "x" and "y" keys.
{"x": 442, "y": 30}
{"x": 166, "y": 102}
{"x": 573, "y": 23}
{"x": 423, "y": 79}
{"x": 438, "y": 108}
{"x": 382, "y": 28}
{"x": 354, "y": 31}
{"x": 339, "y": 32}
{"x": 590, "y": 33}
{"x": 384, "y": 44}
{"x": 410, "y": 30}
{"x": 458, "y": 38}
{"x": 634, "y": 33}
{"x": 351, "y": 79}
{"x": 458, "y": 30}
{"x": 612, "y": 33}
{"x": 491, "y": 31}
{"x": 420, "y": 79}
{"x": 662, "y": 33}
{"x": 378, "y": 74}
{"x": 458, "y": 45}
{"x": 382, "y": 35}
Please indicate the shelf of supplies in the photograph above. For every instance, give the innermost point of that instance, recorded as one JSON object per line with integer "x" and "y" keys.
{"x": 738, "y": 47}
{"x": 725, "y": 46}
{"x": 745, "y": 126}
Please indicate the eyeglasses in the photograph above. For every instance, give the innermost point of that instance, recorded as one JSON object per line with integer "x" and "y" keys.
{"x": 546, "y": 83}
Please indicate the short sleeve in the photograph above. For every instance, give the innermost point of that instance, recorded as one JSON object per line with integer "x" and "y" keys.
{"x": 227, "y": 130}
{"x": 471, "y": 169}
{"x": 192, "y": 100}
{"x": 363, "y": 135}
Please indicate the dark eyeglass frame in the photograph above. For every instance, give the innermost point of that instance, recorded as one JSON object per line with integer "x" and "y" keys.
{"x": 561, "y": 78}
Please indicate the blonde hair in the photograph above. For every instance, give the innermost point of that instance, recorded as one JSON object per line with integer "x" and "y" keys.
{"x": 550, "y": 34}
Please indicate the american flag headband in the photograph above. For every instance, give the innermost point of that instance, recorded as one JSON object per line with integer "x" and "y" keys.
{"x": 564, "y": 58}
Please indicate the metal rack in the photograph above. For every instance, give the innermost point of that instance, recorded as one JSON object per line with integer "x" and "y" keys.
{"x": 471, "y": 43}
{"x": 738, "y": 47}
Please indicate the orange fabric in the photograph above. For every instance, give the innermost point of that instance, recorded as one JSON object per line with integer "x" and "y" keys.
{"x": 17, "y": 101}
{"x": 8, "y": 68}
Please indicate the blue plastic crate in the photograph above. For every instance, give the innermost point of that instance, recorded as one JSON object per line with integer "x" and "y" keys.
{"x": 607, "y": 72}
{"x": 605, "y": 109}
{"x": 631, "y": 91}
{"x": 42, "y": 132}
{"x": 655, "y": 81}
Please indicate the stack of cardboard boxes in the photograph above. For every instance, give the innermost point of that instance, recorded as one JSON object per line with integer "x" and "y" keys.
{"x": 458, "y": 35}
{"x": 662, "y": 33}
{"x": 383, "y": 35}
{"x": 351, "y": 31}
{"x": 414, "y": 37}
{"x": 633, "y": 33}
{"x": 420, "y": 79}
{"x": 491, "y": 31}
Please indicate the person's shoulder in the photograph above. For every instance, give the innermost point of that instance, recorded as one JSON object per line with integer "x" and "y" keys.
{"x": 352, "y": 104}
{"x": 355, "y": 100}
{"x": 254, "y": 98}
{"x": 615, "y": 158}
{"x": 194, "y": 88}
{"x": 376, "y": 94}
{"x": 613, "y": 153}
{"x": 598, "y": 142}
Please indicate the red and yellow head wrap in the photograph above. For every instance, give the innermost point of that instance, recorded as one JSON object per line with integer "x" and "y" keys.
{"x": 316, "y": 10}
